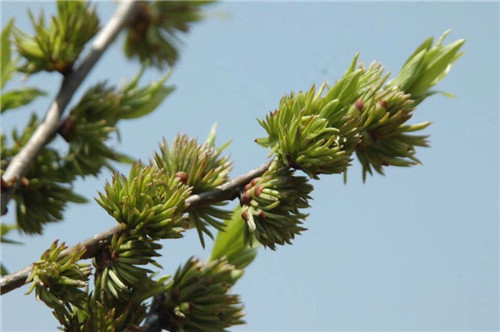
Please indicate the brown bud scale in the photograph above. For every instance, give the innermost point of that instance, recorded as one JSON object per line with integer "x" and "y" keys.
{"x": 182, "y": 176}
{"x": 246, "y": 197}
{"x": 383, "y": 103}
{"x": 360, "y": 104}
{"x": 258, "y": 190}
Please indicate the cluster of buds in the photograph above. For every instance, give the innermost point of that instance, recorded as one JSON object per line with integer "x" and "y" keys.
{"x": 152, "y": 35}
{"x": 150, "y": 202}
{"x": 198, "y": 298}
{"x": 45, "y": 190}
{"x": 318, "y": 131}
{"x": 386, "y": 139}
{"x": 202, "y": 168}
{"x": 271, "y": 206}
{"x": 57, "y": 46}
{"x": 119, "y": 267}
{"x": 97, "y": 317}
{"x": 88, "y": 127}
{"x": 58, "y": 281}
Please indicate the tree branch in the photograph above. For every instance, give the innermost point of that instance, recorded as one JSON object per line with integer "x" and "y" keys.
{"x": 227, "y": 191}
{"x": 21, "y": 163}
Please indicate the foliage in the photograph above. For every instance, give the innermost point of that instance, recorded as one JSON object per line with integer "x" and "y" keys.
{"x": 57, "y": 46}
{"x": 89, "y": 124}
{"x": 45, "y": 190}
{"x": 197, "y": 299}
{"x": 201, "y": 167}
{"x": 57, "y": 280}
{"x": 271, "y": 206}
{"x": 19, "y": 97}
{"x": 153, "y": 35}
{"x": 309, "y": 134}
{"x": 149, "y": 203}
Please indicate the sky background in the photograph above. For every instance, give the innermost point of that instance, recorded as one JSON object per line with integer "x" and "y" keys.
{"x": 416, "y": 249}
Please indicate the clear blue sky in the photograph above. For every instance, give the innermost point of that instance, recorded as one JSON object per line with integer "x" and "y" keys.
{"x": 414, "y": 250}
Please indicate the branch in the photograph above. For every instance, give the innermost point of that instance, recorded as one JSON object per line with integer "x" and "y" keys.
{"x": 153, "y": 319}
{"x": 227, "y": 191}
{"x": 21, "y": 163}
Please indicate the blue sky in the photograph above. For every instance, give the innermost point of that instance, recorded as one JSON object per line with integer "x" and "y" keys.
{"x": 416, "y": 249}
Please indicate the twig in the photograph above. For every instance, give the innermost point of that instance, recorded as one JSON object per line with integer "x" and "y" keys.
{"x": 20, "y": 164}
{"x": 153, "y": 321}
{"x": 227, "y": 191}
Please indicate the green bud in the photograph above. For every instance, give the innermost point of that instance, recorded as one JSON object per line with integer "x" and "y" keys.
{"x": 119, "y": 268}
{"x": 152, "y": 35}
{"x": 198, "y": 298}
{"x": 150, "y": 202}
{"x": 46, "y": 188}
{"x": 202, "y": 168}
{"x": 57, "y": 46}
{"x": 57, "y": 280}
{"x": 271, "y": 207}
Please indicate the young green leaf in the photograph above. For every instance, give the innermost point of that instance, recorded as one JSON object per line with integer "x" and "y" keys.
{"x": 17, "y": 98}
{"x": 230, "y": 243}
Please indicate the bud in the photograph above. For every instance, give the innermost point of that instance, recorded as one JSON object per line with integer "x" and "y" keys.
{"x": 198, "y": 298}
{"x": 202, "y": 168}
{"x": 272, "y": 214}
{"x": 118, "y": 267}
{"x": 150, "y": 202}
{"x": 57, "y": 281}
{"x": 57, "y": 46}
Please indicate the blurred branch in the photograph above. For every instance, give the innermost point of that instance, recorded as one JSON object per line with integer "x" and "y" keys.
{"x": 227, "y": 191}
{"x": 21, "y": 163}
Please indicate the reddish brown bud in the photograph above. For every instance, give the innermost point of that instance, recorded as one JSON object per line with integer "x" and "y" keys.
{"x": 24, "y": 182}
{"x": 251, "y": 183}
{"x": 182, "y": 176}
{"x": 262, "y": 214}
{"x": 383, "y": 103}
{"x": 258, "y": 190}
{"x": 244, "y": 215}
{"x": 66, "y": 129}
{"x": 360, "y": 104}
{"x": 246, "y": 197}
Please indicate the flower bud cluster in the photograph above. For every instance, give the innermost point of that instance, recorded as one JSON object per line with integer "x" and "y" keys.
{"x": 148, "y": 203}
{"x": 198, "y": 298}
{"x": 88, "y": 127}
{"x": 119, "y": 267}
{"x": 57, "y": 46}
{"x": 46, "y": 188}
{"x": 318, "y": 131}
{"x": 271, "y": 206}
{"x": 58, "y": 281}
{"x": 152, "y": 34}
{"x": 202, "y": 168}
{"x": 386, "y": 139}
